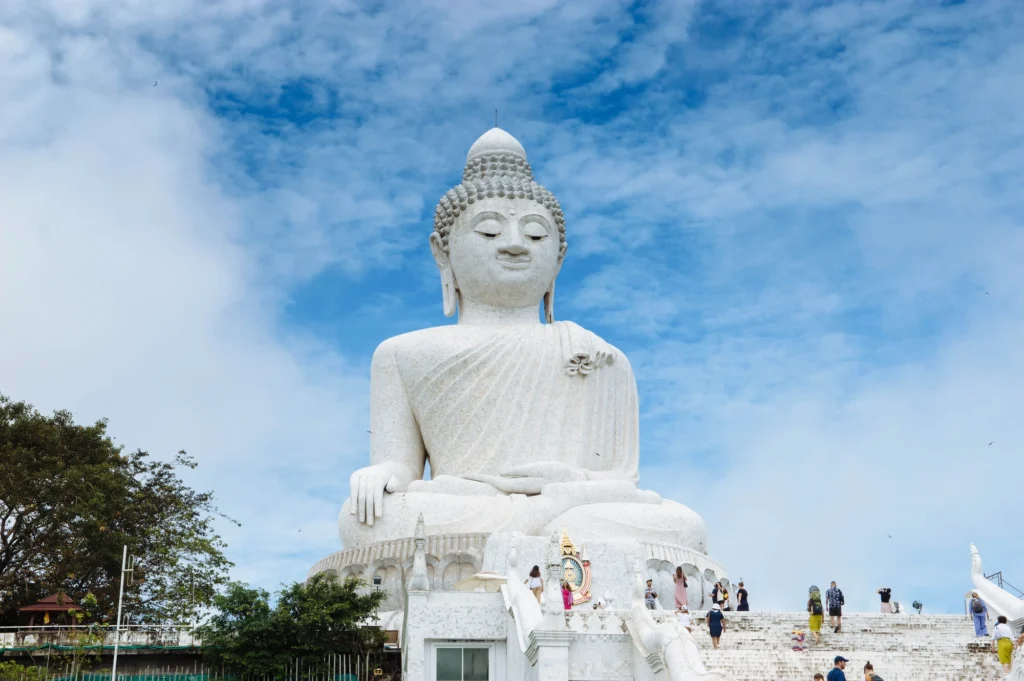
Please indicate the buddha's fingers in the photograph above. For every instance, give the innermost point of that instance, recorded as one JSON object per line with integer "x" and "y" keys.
{"x": 353, "y": 493}
{"x": 522, "y": 485}
{"x": 378, "y": 500}
{"x": 365, "y": 501}
{"x": 550, "y": 471}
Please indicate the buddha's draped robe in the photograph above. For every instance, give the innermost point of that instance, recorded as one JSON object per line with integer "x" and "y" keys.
{"x": 490, "y": 397}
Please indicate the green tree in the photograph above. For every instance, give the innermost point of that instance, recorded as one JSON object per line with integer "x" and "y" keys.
{"x": 322, "y": 617}
{"x": 70, "y": 498}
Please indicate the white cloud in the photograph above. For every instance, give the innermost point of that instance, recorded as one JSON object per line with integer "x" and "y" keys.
{"x": 127, "y": 295}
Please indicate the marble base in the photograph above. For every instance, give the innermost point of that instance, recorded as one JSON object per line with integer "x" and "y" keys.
{"x": 453, "y": 557}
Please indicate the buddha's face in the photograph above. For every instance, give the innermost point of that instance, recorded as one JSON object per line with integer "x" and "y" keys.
{"x": 504, "y": 252}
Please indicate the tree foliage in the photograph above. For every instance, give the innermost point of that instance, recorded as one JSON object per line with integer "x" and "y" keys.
{"x": 70, "y": 499}
{"x": 249, "y": 635}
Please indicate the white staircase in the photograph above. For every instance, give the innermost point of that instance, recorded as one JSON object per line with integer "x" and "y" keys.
{"x": 758, "y": 646}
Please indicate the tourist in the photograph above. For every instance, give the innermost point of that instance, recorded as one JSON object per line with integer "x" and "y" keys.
{"x": 886, "y": 594}
{"x": 680, "y": 580}
{"x": 715, "y": 598}
{"x": 979, "y": 613}
{"x": 650, "y": 595}
{"x": 684, "y": 618}
{"x": 716, "y": 624}
{"x": 1002, "y": 642}
{"x": 838, "y": 665}
{"x": 834, "y": 597}
{"x": 741, "y": 597}
{"x": 817, "y": 613}
{"x": 819, "y": 677}
{"x": 535, "y": 583}
{"x": 566, "y": 595}
{"x": 723, "y": 594}
{"x": 869, "y": 673}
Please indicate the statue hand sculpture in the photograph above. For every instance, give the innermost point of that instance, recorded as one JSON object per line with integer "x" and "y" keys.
{"x": 369, "y": 484}
{"x": 530, "y": 478}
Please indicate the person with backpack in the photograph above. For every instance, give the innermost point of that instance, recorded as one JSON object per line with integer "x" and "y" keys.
{"x": 979, "y": 612}
{"x": 835, "y": 599}
{"x": 817, "y": 612}
{"x": 869, "y": 673}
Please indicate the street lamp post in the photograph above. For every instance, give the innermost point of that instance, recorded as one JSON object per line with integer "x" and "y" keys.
{"x": 120, "y": 601}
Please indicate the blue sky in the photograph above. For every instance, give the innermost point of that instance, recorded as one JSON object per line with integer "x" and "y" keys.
{"x": 801, "y": 221}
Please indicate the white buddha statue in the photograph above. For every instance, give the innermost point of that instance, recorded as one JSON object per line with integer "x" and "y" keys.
{"x": 528, "y": 426}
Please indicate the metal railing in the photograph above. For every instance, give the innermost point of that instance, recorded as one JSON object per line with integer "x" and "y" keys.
{"x": 379, "y": 666}
{"x": 132, "y": 636}
{"x": 997, "y": 577}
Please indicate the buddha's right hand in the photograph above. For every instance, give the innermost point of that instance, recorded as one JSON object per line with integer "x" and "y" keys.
{"x": 369, "y": 484}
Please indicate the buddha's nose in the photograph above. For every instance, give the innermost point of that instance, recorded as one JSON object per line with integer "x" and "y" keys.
{"x": 515, "y": 248}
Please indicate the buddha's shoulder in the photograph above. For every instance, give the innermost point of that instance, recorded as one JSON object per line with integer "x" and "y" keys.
{"x": 432, "y": 341}
{"x": 438, "y": 342}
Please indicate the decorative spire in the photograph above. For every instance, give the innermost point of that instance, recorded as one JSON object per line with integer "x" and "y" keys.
{"x": 418, "y": 580}
{"x": 497, "y": 154}
{"x": 553, "y": 583}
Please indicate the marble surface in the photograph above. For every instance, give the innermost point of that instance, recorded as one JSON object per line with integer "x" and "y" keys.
{"x": 528, "y": 427}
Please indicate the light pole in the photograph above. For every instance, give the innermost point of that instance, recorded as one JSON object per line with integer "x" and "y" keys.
{"x": 125, "y": 568}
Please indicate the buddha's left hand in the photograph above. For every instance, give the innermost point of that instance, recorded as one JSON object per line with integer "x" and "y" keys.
{"x": 530, "y": 478}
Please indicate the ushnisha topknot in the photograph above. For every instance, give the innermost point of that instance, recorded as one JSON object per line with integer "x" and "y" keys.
{"x": 495, "y": 166}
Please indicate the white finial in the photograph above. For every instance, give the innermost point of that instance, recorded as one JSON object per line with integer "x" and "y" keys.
{"x": 496, "y": 141}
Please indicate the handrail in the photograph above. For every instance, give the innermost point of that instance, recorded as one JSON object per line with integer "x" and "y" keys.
{"x": 997, "y": 577}
{"x": 42, "y": 628}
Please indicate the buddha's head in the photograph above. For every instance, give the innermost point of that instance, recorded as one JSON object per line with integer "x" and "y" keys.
{"x": 499, "y": 237}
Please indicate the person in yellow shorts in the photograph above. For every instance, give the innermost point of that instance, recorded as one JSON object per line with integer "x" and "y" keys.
{"x": 1002, "y": 640}
{"x": 817, "y": 612}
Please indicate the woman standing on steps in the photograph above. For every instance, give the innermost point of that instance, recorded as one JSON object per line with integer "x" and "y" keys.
{"x": 817, "y": 613}
{"x": 535, "y": 583}
{"x": 716, "y": 624}
{"x": 680, "y": 579}
{"x": 1002, "y": 641}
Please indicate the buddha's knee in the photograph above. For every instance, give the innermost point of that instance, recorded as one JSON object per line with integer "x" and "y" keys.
{"x": 442, "y": 514}
{"x": 668, "y": 521}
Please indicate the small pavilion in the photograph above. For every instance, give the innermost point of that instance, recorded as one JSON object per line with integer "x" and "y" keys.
{"x": 54, "y": 605}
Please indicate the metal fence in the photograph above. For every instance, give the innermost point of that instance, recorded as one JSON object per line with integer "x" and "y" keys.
{"x": 135, "y": 635}
{"x": 378, "y": 666}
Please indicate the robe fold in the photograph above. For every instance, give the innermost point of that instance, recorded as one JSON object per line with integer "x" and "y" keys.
{"x": 486, "y": 398}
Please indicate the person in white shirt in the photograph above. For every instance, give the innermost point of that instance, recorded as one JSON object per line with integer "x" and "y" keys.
{"x": 684, "y": 619}
{"x": 535, "y": 583}
{"x": 1002, "y": 641}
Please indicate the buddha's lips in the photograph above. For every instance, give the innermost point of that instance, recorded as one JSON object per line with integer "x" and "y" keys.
{"x": 514, "y": 263}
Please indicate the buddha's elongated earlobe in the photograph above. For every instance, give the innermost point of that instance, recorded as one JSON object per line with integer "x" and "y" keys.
{"x": 549, "y": 295}
{"x": 449, "y": 290}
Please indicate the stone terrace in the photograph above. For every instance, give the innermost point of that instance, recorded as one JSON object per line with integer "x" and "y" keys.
{"x": 758, "y": 646}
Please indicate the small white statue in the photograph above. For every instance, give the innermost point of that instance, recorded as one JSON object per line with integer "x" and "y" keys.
{"x": 1003, "y": 602}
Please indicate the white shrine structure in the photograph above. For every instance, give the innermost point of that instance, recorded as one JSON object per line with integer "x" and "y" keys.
{"x": 531, "y": 431}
